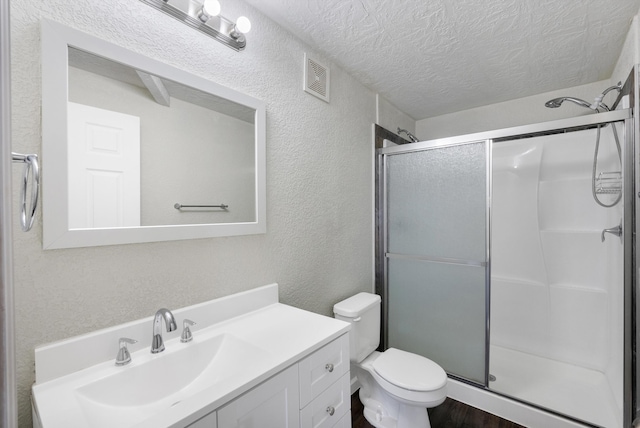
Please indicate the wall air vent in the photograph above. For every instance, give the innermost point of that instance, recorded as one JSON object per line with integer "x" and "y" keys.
{"x": 316, "y": 78}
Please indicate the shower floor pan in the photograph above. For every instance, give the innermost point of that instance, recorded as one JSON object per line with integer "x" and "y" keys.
{"x": 571, "y": 390}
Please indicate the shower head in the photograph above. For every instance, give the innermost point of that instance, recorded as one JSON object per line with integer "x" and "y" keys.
{"x": 557, "y": 102}
{"x": 412, "y": 137}
{"x": 597, "y": 104}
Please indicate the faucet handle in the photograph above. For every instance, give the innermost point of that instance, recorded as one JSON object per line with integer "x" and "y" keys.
{"x": 124, "y": 357}
{"x": 186, "y": 331}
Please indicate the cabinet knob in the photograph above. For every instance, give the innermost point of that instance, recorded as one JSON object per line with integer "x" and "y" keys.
{"x": 329, "y": 367}
{"x": 331, "y": 410}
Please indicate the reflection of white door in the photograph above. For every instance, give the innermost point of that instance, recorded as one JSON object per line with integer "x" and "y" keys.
{"x": 104, "y": 168}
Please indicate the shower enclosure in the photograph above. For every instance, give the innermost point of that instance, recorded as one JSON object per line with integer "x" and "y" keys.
{"x": 495, "y": 261}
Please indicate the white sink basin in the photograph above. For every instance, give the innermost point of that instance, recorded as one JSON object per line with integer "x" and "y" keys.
{"x": 152, "y": 383}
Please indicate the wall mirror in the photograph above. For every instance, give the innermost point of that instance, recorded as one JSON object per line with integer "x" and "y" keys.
{"x": 135, "y": 150}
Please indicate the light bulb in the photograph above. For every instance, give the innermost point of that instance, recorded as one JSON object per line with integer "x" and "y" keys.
{"x": 209, "y": 8}
{"x": 243, "y": 25}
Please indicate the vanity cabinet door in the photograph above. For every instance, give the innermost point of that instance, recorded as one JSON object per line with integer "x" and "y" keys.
{"x": 272, "y": 404}
{"x": 209, "y": 421}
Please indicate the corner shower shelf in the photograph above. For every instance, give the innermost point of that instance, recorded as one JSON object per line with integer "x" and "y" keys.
{"x": 609, "y": 183}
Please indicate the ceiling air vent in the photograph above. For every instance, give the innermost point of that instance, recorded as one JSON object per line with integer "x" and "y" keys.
{"x": 316, "y": 78}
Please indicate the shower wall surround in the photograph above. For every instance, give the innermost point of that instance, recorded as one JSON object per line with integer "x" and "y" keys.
{"x": 318, "y": 244}
{"x": 557, "y": 289}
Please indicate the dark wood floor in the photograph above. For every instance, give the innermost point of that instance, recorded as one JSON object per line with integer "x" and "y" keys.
{"x": 450, "y": 414}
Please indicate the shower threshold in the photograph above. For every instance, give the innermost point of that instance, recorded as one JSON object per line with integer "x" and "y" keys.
{"x": 575, "y": 391}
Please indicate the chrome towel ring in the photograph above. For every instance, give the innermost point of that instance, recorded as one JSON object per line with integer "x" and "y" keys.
{"x": 32, "y": 168}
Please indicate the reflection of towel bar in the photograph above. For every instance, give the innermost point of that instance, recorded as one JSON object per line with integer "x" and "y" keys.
{"x": 180, "y": 206}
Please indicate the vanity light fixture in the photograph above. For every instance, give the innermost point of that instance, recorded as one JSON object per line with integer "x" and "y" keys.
{"x": 204, "y": 16}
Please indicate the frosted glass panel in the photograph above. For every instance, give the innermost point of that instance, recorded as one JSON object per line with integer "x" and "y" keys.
{"x": 438, "y": 310}
{"x": 437, "y": 209}
{"x": 436, "y": 203}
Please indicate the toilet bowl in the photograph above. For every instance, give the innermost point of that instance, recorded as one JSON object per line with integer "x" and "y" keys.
{"x": 396, "y": 387}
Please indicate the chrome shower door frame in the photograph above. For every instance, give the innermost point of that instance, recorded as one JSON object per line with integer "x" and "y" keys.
{"x": 630, "y": 173}
{"x": 631, "y": 230}
{"x": 631, "y": 182}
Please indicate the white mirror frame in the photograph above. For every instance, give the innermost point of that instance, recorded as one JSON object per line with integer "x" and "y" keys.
{"x": 56, "y": 39}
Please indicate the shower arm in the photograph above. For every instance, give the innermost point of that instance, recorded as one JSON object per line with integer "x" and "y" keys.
{"x": 412, "y": 137}
{"x": 597, "y": 102}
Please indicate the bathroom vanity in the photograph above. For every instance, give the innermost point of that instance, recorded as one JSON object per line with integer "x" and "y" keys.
{"x": 253, "y": 362}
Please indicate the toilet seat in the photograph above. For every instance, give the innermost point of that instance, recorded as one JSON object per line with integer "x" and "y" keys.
{"x": 410, "y": 377}
{"x": 409, "y": 371}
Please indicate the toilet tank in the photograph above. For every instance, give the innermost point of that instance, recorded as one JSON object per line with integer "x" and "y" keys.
{"x": 363, "y": 312}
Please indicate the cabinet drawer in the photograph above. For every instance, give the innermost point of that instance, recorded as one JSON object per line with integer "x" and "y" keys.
{"x": 322, "y": 368}
{"x": 328, "y": 408}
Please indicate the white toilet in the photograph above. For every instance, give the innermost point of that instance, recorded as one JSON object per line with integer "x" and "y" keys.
{"x": 396, "y": 387}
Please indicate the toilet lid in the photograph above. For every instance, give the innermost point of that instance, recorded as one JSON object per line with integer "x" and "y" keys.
{"x": 409, "y": 371}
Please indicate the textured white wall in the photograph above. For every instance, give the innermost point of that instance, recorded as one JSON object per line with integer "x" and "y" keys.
{"x": 318, "y": 245}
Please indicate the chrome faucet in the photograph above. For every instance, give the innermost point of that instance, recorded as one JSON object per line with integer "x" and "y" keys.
{"x": 157, "y": 344}
{"x": 614, "y": 231}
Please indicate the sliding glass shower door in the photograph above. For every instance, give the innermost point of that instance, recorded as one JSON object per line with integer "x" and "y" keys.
{"x": 436, "y": 256}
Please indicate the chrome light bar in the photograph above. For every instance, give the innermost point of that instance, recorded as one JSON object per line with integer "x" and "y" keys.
{"x": 203, "y": 15}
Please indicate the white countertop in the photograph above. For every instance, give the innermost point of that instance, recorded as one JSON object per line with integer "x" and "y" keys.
{"x": 287, "y": 334}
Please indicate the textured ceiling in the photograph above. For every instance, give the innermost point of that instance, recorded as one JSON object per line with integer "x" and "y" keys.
{"x": 431, "y": 57}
